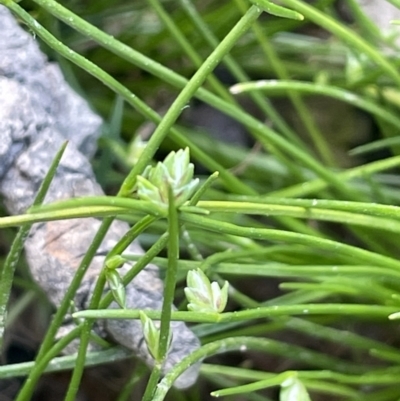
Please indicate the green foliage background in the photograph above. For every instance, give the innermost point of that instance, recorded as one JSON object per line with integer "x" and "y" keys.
{"x": 303, "y": 218}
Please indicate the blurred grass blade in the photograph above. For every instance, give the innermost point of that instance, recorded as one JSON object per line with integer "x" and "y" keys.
{"x": 278, "y": 11}
{"x": 7, "y": 274}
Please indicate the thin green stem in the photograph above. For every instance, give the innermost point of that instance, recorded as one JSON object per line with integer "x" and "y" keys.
{"x": 152, "y": 383}
{"x": 317, "y": 185}
{"x": 170, "y": 279}
{"x": 359, "y": 310}
{"x": 80, "y": 212}
{"x": 248, "y": 388}
{"x": 203, "y": 188}
{"x": 10, "y": 264}
{"x": 308, "y": 212}
{"x": 189, "y": 49}
{"x": 285, "y": 86}
{"x": 84, "y": 340}
{"x": 373, "y": 377}
{"x": 169, "y": 294}
{"x": 367, "y": 208}
{"x": 63, "y": 363}
{"x": 276, "y": 269}
{"x": 191, "y": 247}
{"x": 131, "y": 235}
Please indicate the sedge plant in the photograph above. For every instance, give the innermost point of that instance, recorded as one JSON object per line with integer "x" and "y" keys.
{"x": 288, "y": 250}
